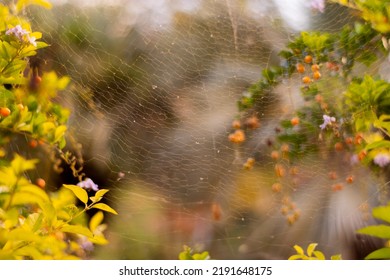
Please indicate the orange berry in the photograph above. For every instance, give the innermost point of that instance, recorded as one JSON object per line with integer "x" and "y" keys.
{"x": 280, "y": 170}
{"x": 277, "y": 187}
{"x": 40, "y": 183}
{"x": 337, "y": 187}
{"x": 294, "y": 170}
{"x": 284, "y": 210}
{"x": 362, "y": 155}
{"x": 216, "y": 211}
{"x": 332, "y": 175}
{"x": 308, "y": 59}
{"x": 349, "y": 140}
{"x": 297, "y": 214}
{"x": 252, "y": 122}
{"x": 236, "y": 124}
{"x": 33, "y": 143}
{"x": 285, "y": 148}
{"x": 358, "y": 139}
{"x": 300, "y": 68}
{"x": 237, "y": 137}
{"x": 316, "y": 75}
{"x": 306, "y": 80}
{"x": 295, "y": 121}
{"x": 291, "y": 219}
{"x": 5, "y": 112}
{"x": 249, "y": 163}
{"x": 319, "y": 98}
{"x": 338, "y": 146}
{"x": 315, "y": 67}
{"x": 349, "y": 179}
{"x": 275, "y": 155}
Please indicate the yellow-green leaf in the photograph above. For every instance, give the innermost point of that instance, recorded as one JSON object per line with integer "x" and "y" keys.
{"x": 381, "y": 231}
{"x": 96, "y": 220}
{"x": 50, "y": 213}
{"x": 20, "y": 164}
{"x": 59, "y": 132}
{"x": 77, "y": 229}
{"x": 336, "y": 257}
{"x": 78, "y": 192}
{"x": 382, "y": 213}
{"x": 104, "y": 207}
{"x": 383, "y": 253}
{"x": 299, "y": 249}
{"x": 311, "y": 248}
{"x": 319, "y": 255}
{"x": 24, "y": 3}
{"x": 22, "y": 234}
{"x": 295, "y": 257}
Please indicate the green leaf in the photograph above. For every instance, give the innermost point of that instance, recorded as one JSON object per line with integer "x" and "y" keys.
{"x": 383, "y": 253}
{"x": 104, "y": 207}
{"x": 78, "y": 192}
{"x": 382, "y": 213}
{"x": 77, "y": 229}
{"x": 381, "y": 231}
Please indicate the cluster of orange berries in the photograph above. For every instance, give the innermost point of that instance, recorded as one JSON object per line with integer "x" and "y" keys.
{"x": 281, "y": 153}
{"x": 250, "y": 162}
{"x": 315, "y": 68}
{"x": 290, "y": 211}
{"x": 238, "y": 136}
{"x": 339, "y": 186}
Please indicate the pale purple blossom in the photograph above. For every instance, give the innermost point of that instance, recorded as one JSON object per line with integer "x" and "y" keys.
{"x": 88, "y": 185}
{"x": 382, "y": 159}
{"x": 21, "y": 34}
{"x": 354, "y": 159}
{"x": 327, "y": 120}
{"x": 31, "y": 40}
{"x": 17, "y": 31}
{"x": 318, "y": 5}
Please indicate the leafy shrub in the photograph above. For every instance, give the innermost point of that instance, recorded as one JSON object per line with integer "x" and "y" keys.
{"x": 36, "y": 224}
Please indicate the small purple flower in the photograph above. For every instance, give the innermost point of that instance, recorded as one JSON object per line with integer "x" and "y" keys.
{"x": 31, "y": 40}
{"x": 21, "y": 34}
{"x": 85, "y": 244}
{"x": 318, "y": 5}
{"x": 354, "y": 159}
{"x": 17, "y": 31}
{"x": 88, "y": 184}
{"x": 327, "y": 120}
{"x": 382, "y": 159}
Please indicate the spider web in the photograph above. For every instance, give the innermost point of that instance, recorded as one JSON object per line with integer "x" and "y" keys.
{"x": 155, "y": 86}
